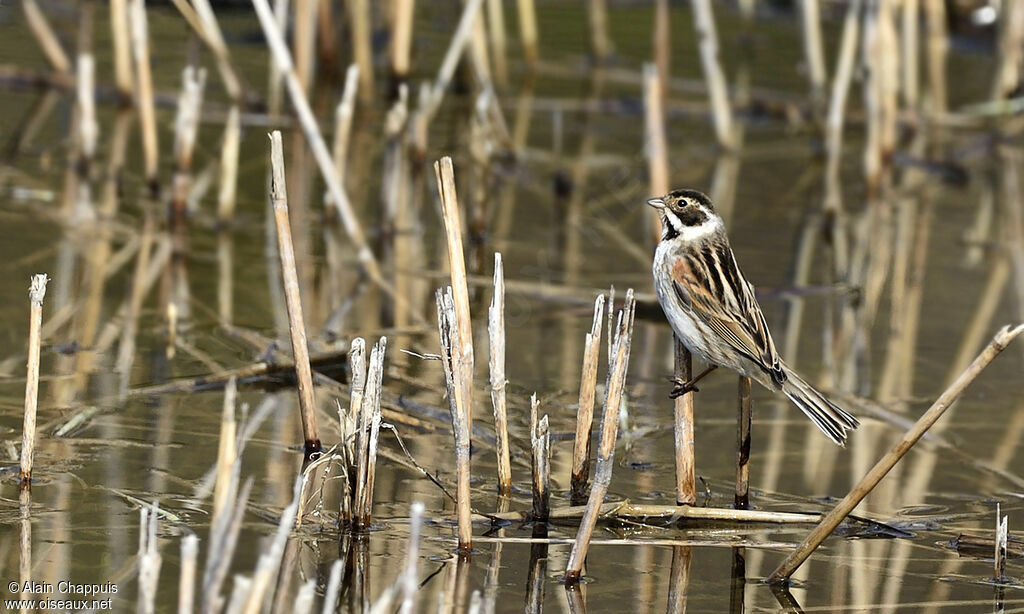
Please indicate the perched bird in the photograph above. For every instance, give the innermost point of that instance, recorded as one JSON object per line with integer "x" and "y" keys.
{"x": 713, "y": 311}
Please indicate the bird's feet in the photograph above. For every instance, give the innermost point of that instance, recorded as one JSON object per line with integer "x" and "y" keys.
{"x": 680, "y": 387}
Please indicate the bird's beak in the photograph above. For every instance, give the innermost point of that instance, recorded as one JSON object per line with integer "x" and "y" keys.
{"x": 657, "y": 203}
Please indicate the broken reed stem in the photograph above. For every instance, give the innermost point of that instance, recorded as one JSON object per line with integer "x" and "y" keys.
{"x": 144, "y": 90}
{"x": 585, "y": 411}
{"x": 401, "y": 38}
{"x": 226, "y": 450}
{"x": 528, "y": 31}
{"x": 46, "y": 38}
{"x": 616, "y": 384}
{"x": 229, "y": 167}
{"x": 410, "y": 577}
{"x": 887, "y": 462}
{"x": 814, "y": 52}
{"x": 718, "y": 95}
{"x": 290, "y": 278}
{"x": 352, "y": 431}
{"x": 454, "y": 363}
{"x": 445, "y": 175}
{"x": 496, "y": 336}
{"x": 682, "y": 411}
{"x": 742, "y": 499}
{"x": 187, "y": 579}
{"x": 149, "y": 559}
{"x": 275, "y": 40}
{"x": 540, "y": 447}
{"x": 36, "y": 293}
{"x": 370, "y": 418}
{"x": 1002, "y": 537}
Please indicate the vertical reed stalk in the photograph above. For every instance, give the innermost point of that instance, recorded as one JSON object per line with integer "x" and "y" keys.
{"x": 144, "y": 91}
{"x": 1011, "y": 51}
{"x": 597, "y": 17}
{"x": 352, "y": 429}
{"x": 226, "y": 450}
{"x": 149, "y": 559}
{"x": 682, "y": 411}
{"x": 445, "y": 175}
{"x": 938, "y": 47}
{"x": 333, "y": 587}
{"x": 606, "y": 448}
{"x": 679, "y": 583}
{"x": 124, "y": 80}
{"x": 229, "y": 167}
{"x": 540, "y": 446}
{"x": 910, "y": 42}
{"x": 585, "y": 412}
{"x": 304, "y": 41}
{"x": 454, "y": 362}
{"x": 214, "y": 39}
{"x": 343, "y": 114}
{"x": 661, "y": 44}
{"x": 186, "y": 128}
{"x": 842, "y": 509}
{"x": 370, "y": 411}
{"x": 88, "y": 127}
{"x": 742, "y": 498}
{"x": 187, "y": 581}
{"x": 46, "y": 38}
{"x": 401, "y": 38}
{"x": 528, "y": 31}
{"x": 1002, "y": 537}
{"x": 410, "y": 578}
{"x": 657, "y": 147}
{"x": 496, "y": 336}
{"x": 36, "y": 293}
{"x": 496, "y": 30}
{"x": 362, "y": 48}
{"x": 814, "y": 52}
{"x": 297, "y": 328}
{"x": 269, "y": 564}
{"x": 704, "y": 23}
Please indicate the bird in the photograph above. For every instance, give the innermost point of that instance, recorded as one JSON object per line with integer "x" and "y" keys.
{"x": 713, "y": 311}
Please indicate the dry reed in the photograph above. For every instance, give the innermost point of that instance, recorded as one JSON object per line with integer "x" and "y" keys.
{"x": 296, "y": 325}
{"x": 229, "y": 167}
{"x": 46, "y": 37}
{"x": 187, "y": 580}
{"x": 718, "y": 96}
{"x": 585, "y": 411}
{"x": 36, "y": 293}
{"x": 528, "y": 30}
{"x": 682, "y": 412}
{"x": 540, "y": 447}
{"x": 496, "y": 336}
{"x": 149, "y": 559}
{"x": 144, "y": 90}
{"x": 742, "y": 498}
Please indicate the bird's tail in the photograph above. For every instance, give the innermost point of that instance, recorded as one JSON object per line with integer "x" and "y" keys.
{"x": 826, "y": 415}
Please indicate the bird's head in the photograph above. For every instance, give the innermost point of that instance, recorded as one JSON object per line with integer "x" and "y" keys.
{"x": 686, "y": 213}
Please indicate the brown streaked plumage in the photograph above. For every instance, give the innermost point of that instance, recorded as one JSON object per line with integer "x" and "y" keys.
{"x": 713, "y": 310}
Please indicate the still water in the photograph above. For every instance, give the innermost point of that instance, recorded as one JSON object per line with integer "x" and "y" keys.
{"x": 936, "y": 267}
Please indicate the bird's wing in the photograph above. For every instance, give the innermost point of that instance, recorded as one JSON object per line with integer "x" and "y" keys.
{"x": 711, "y": 285}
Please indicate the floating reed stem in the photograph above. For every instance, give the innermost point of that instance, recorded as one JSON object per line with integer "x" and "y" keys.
{"x": 124, "y": 80}
{"x": 410, "y": 578}
{"x": 540, "y": 446}
{"x": 229, "y": 167}
{"x": 46, "y": 38}
{"x": 496, "y": 336}
{"x": 296, "y": 326}
{"x": 445, "y": 175}
{"x": 606, "y": 448}
{"x": 187, "y": 581}
{"x": 36, "y": 293}
{"x": 144, "y": 90}
{"x": 887, "y": 462}
{"x": 585, "y": 412}
{"x": 528, "y": 31}
{"x": 704, "y": 23}
{"x": 370, "y": 421}
{"x": 742, "y": 498}
{"x": 682, "y": 412}
{"x": 279, "y": 50}
{"x": 401, "y": 38}
{"x": 455, "y": 370}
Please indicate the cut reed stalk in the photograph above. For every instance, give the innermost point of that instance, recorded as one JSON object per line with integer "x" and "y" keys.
{"x": 606, "y": 448}
{"x": 682, "y": 411}
{"x": 445, "y": 175}
{"x": 370, "y": 411}
{"x": 496, "y": 336}
{"x": 496, "y": 30}
{"x": 528, "y": 31}
{"x": 36, "y": 293}
{"x": 718, "y": 96}
{"x": 297, "y": 328}
{"x": 410, "y": 578}
{"x": 144, "y": 91}
{"x": 229, "y": 167}
{"x": 831, "y": 520}
{"x": 742, "y": 498}
{"x": 316, "y": 143}
{"x": 46, "y": 38}
{"x": 401, "y": 38}
{"x": 585, "y": 412}
{"x": 226, "y": 450}
{"x": 124, "y": 80}
{"x": 1002, "y": 537}
{"x": 362, "y": 48}
{"x": 351, "y": 427}
{"x": 540, "y": 446}
{"x": 454, "y": 362}
{"x": 814, "y": 52}
{"x": 187, "y": 580}
{"x": 149, "y": 559}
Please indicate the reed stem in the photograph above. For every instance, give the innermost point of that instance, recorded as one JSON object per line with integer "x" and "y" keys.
{"x": 682, "y": 411}
{"x": 540, "y": 447}
{"x": 528, "y": 30}
{"x": 47, "y": 39}
{"x": 496, "y": 336}
{"x": 585, "y": 412}
{"x": 742, "y": 498}
{"x": 296, "y": 325}
{"x": 36, "y": 293}
{"x": 718, "y": 95}
{"x": 144, "y": 91}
